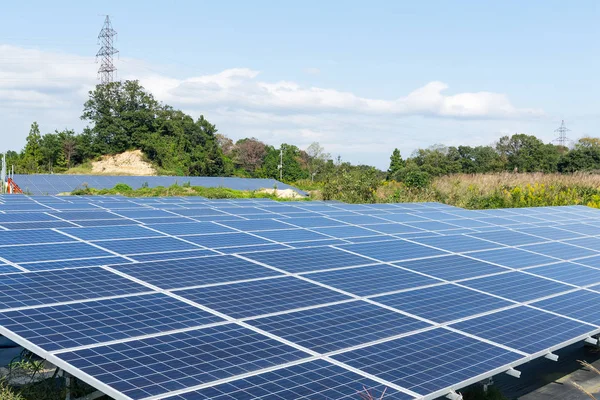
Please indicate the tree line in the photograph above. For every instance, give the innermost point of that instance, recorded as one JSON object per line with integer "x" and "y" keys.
{"x": 124, "y": 116}
{"x": 516, "y": 153}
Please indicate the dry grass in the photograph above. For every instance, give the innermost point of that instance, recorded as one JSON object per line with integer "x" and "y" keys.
{"x": 502, "y": 190}
{"x": 489, "y": 182}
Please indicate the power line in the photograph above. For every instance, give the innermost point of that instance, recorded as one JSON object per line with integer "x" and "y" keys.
{"x": 562, "y": 139}
{"x": 107, "y": 70}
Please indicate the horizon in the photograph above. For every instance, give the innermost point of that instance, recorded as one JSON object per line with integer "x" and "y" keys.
{"x": 359, "y": 80}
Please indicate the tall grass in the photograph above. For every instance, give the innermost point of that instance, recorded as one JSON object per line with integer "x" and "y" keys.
{"x": 503, "y": 190}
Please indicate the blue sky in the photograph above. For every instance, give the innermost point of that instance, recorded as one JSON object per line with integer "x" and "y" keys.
{"x": 359, "y": 77}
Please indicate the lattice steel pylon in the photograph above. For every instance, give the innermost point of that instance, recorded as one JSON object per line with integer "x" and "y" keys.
{"x": 562, "y": 138}
{"x": 106, "y": 37}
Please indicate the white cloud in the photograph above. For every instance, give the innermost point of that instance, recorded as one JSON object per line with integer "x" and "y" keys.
{"x": 51, "y": 87}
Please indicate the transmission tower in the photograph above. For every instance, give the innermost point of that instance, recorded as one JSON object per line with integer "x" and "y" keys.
{"x": 562, "y": 139}
{"x": 106, "y": 37}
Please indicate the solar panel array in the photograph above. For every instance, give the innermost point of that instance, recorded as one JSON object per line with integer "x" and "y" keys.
{"x": 189, "y": 298}
{"x": 50, "y": 184}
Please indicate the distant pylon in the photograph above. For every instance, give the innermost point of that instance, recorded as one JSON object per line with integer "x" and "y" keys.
{"x": 562, "y": 139}
{"x": 106, "y": 72}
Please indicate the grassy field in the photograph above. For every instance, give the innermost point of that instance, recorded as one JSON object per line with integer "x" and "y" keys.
{"x": 504, "y": 190}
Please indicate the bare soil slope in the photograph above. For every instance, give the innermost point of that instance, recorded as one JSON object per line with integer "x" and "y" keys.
{"x": 127, "y": 163}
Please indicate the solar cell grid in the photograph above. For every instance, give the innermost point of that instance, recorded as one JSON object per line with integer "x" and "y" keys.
{"x": 48, "y": 287}
{"x": 51, "y": 252}
{"x": 370, "y": 280}
{"x": 313, "y": 259}
{"x": 145, "y": 246}
{"x": 393, "y": 251}
{"x": 335, "y": 327}
{"x": 196, "y": 271}
{"x": 525, "y": 329}
{"x": 312, "y": 380}
{"x": 452, "y": 267}
{"x": 73, "y": 325}
{"x": 429, "y": 361}
{"x": 517, "y": 286}
{"x": 218, "y": 240}
{"x": 165, "y": 363}
{"x": 247, "y": 299}
{"x": 442, "y": 303}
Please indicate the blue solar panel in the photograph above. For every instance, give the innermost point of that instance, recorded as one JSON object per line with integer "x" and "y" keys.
{"x": 32, "y": 237}
{"x": 457, "y": 243}
{"x": 451, "y": 267}
{"x": 339, "y": 326}
{"x": 508, "y": 237}
{"x": 82, "y": 262}
{"x": 261, "y": 225}
{"x": 313, "y": 222}
{"x": 111, "y": 232}
{"x": 150, "y": 213}
{"x": 106, "y": 222}
{"x": 247, "y": 299}
{"x": 569, "y": 272}
{"x": 8, "y": 269}
{"x": 375, "y": 279}
{"x": 25, "y": 217}
{"x": 592, "y": 243}
{"x": 433, "y": 225}
{"x": 73, "y": 325}
{"x": 442, "y": 303}
{"x": 196, "y": 271}
{"x": 512, "y": 258}
{"x": 560, "y": 250}
{"x": 392, "y": 251}
{"x": 38, "y": 225}
{"x": 392, "y": 228}
{"x": 218, "y": 240}
{"x": 343, "y": 232}
{"x": 312, "y": 380}
{"x": 291, "y": 235}
{"x": 525, "y": 329}
{"x": 312, "y": 259}
{"x": 316, "y": 243}
{"x": 172, "y": 255}
{"x": 35, "y": 288}
{"x": 154, "y": 366}
{"x": 145, "y": 246}
{"x": 581, "y": 305}
{"x": 251, "y": 249}
{"x": 517, "y": 286}
{"x": 429, "y": 361}
{"x": 550, "y": 233}
{"x": 50, "y": 252}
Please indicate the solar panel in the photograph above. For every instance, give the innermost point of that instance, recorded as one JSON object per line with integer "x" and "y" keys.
{"x": 525, "y": 329}
{"x": 304, "y": 260}
{"x": 429, "y": 361}
{"x": 195, "y": 271}
{"x": 442, "y": 303}
{"x": 161, "y": 364}
{"x": 339, "y": 326}
{"x": 314, "y": 379}
{"x": 49, "y": 287}
{"x": 309, "y": 305}
{"x": 264, "y": 296}
{"x": 80, "y": 324}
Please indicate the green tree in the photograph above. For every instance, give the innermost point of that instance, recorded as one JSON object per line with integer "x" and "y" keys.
{"x": 316, "y": 157}
{"x": 122, "y": 114}
{"x": 292, "y": 163}
{"x": 526, "y": 153}
{"x": 437, "y": 160}
{"x": 52, "y": 153}
{"x": 480, "y": 159}
{"x": 32, "y": 154}
{"x": 584, "y": 157}
{"x": 396, "y": 165}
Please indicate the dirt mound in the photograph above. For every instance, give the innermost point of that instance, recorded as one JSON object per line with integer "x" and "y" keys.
{"x": 283, "y": 193}
{"x": 127, "y": 163}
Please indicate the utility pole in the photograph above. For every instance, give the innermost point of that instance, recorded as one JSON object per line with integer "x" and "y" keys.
{"x": 280, "y": 166}
{"x": 106, "y": 38}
